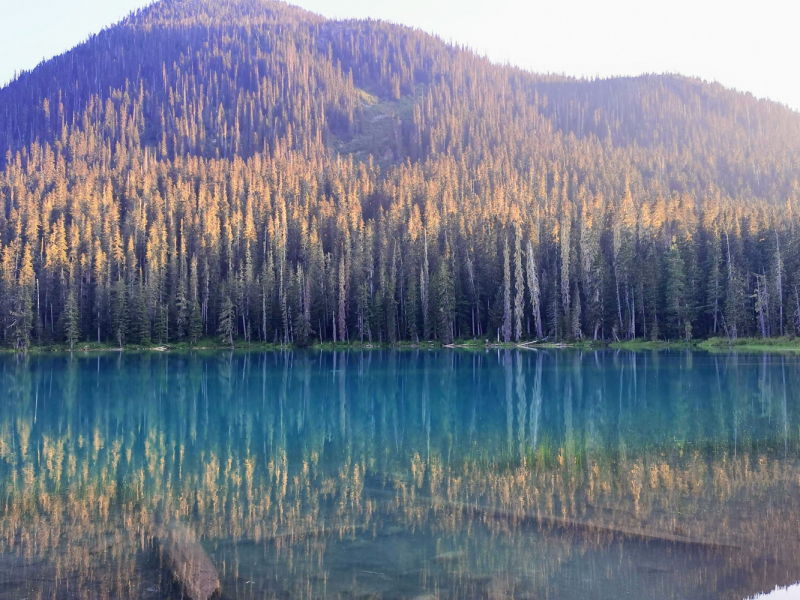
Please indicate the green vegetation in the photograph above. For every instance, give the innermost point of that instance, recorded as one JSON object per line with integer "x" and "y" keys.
{"x": 781, "y": 344}
{"x": 716, "y": 344}
{"x": 653, "y": 345}
{"x": 248, "y": 171}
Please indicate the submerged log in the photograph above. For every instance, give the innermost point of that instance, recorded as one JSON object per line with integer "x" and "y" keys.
{"x": 633, "y": 531}
{"x": 190, "y": 566}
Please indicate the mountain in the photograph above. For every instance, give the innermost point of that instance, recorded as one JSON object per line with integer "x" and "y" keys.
{"x": 246, "y": 169}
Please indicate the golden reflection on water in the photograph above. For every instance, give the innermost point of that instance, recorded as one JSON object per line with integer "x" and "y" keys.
{"x": 343, "y": 490}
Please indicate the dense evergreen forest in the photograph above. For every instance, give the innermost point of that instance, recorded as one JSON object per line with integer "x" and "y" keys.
{"x": 248, "y": 170}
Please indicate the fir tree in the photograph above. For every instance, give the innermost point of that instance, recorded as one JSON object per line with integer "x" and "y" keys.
{"x": 227, "y": 321}
{"x": 182, "y": 312}
{"x": 677, "y": 301}
{"x": 119, "y": 312}
{"x": 445, "y": 301}
{"x": 22, "y": 307}
{"x": 71, "y": 320}
{"x": 142, "y": 316}
{"x": 506, "y": 293}
{"x": 162, "y": 323}
{"x": 519, "y": 286}
{"x": 195, "y": 322}
{"x": 534, "y": 291}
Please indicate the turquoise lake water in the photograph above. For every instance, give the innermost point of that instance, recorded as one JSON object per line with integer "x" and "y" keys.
{"x": 402, "y": 474}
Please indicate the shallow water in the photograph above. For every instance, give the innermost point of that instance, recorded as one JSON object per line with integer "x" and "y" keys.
{"x": 410, "y": 474}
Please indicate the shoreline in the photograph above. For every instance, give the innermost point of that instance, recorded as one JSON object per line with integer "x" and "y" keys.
{"x": 748, "y": 345}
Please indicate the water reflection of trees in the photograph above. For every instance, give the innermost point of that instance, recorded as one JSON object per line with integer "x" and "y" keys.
{"x": 278, "y": 460}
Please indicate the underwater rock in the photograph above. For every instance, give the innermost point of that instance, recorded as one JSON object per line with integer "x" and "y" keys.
{"x": 190, "y": 566}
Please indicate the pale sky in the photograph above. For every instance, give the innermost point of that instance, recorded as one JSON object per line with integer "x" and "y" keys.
{"x": 748, "y": 45}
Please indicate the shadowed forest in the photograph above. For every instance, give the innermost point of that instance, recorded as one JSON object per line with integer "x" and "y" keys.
{"x": 250, "y": 171}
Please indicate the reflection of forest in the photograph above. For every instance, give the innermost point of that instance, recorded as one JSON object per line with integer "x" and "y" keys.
{"x": 456, "y": 475}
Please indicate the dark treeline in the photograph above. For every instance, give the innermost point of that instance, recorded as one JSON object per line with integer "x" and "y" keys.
{"x": 244, "y": 169}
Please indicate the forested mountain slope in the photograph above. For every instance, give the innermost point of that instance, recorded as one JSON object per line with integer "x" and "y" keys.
{"x": 246, "y": 169}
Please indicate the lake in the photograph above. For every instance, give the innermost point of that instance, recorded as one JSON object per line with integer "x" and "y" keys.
{"x": 402, "y": 474}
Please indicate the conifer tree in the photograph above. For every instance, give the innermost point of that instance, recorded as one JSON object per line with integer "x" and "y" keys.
{"x": 71, "y": 320}
{"x": 778, "y": 275}
{"x": 424, "y": 290}
{"x": 676, "y": 291}
{"x": 22, "y": 307}
{"x": 342, "y": 323}
{"x": 267, "y": 295}
{"x": 182, "y": 311}
{"x": 195, "y": 322}
{"x": 506, "y": 293}
{"x": 119, "y": 312}
{"x": 714, "y": 292}
{"x": 445, "y": 300}
{"x": 142, "y": 316}
{"x": 534, "y": 291}
{"x": 391, "y": 299}
{"x": 162, "y": 323}
{"x": 762, "y": 304}
{"x": 575, "y": 321}
{"x": 519, "y": 285}
{"x": 227, "y": 321}
{"x": 302, "y": 326}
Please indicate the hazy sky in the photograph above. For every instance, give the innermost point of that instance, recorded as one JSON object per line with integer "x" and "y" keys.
{"x": 751, "y": 46}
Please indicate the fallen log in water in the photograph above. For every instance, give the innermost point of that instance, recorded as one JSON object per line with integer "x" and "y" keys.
{"x": 567, "y": 523}
{"x": 184, "y": 557}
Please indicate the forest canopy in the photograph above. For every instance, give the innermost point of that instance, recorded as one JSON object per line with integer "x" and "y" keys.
{"x": 247, "y": 170}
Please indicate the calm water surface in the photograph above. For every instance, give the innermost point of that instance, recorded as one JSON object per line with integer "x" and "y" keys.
{"x": 415, "y": 474}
